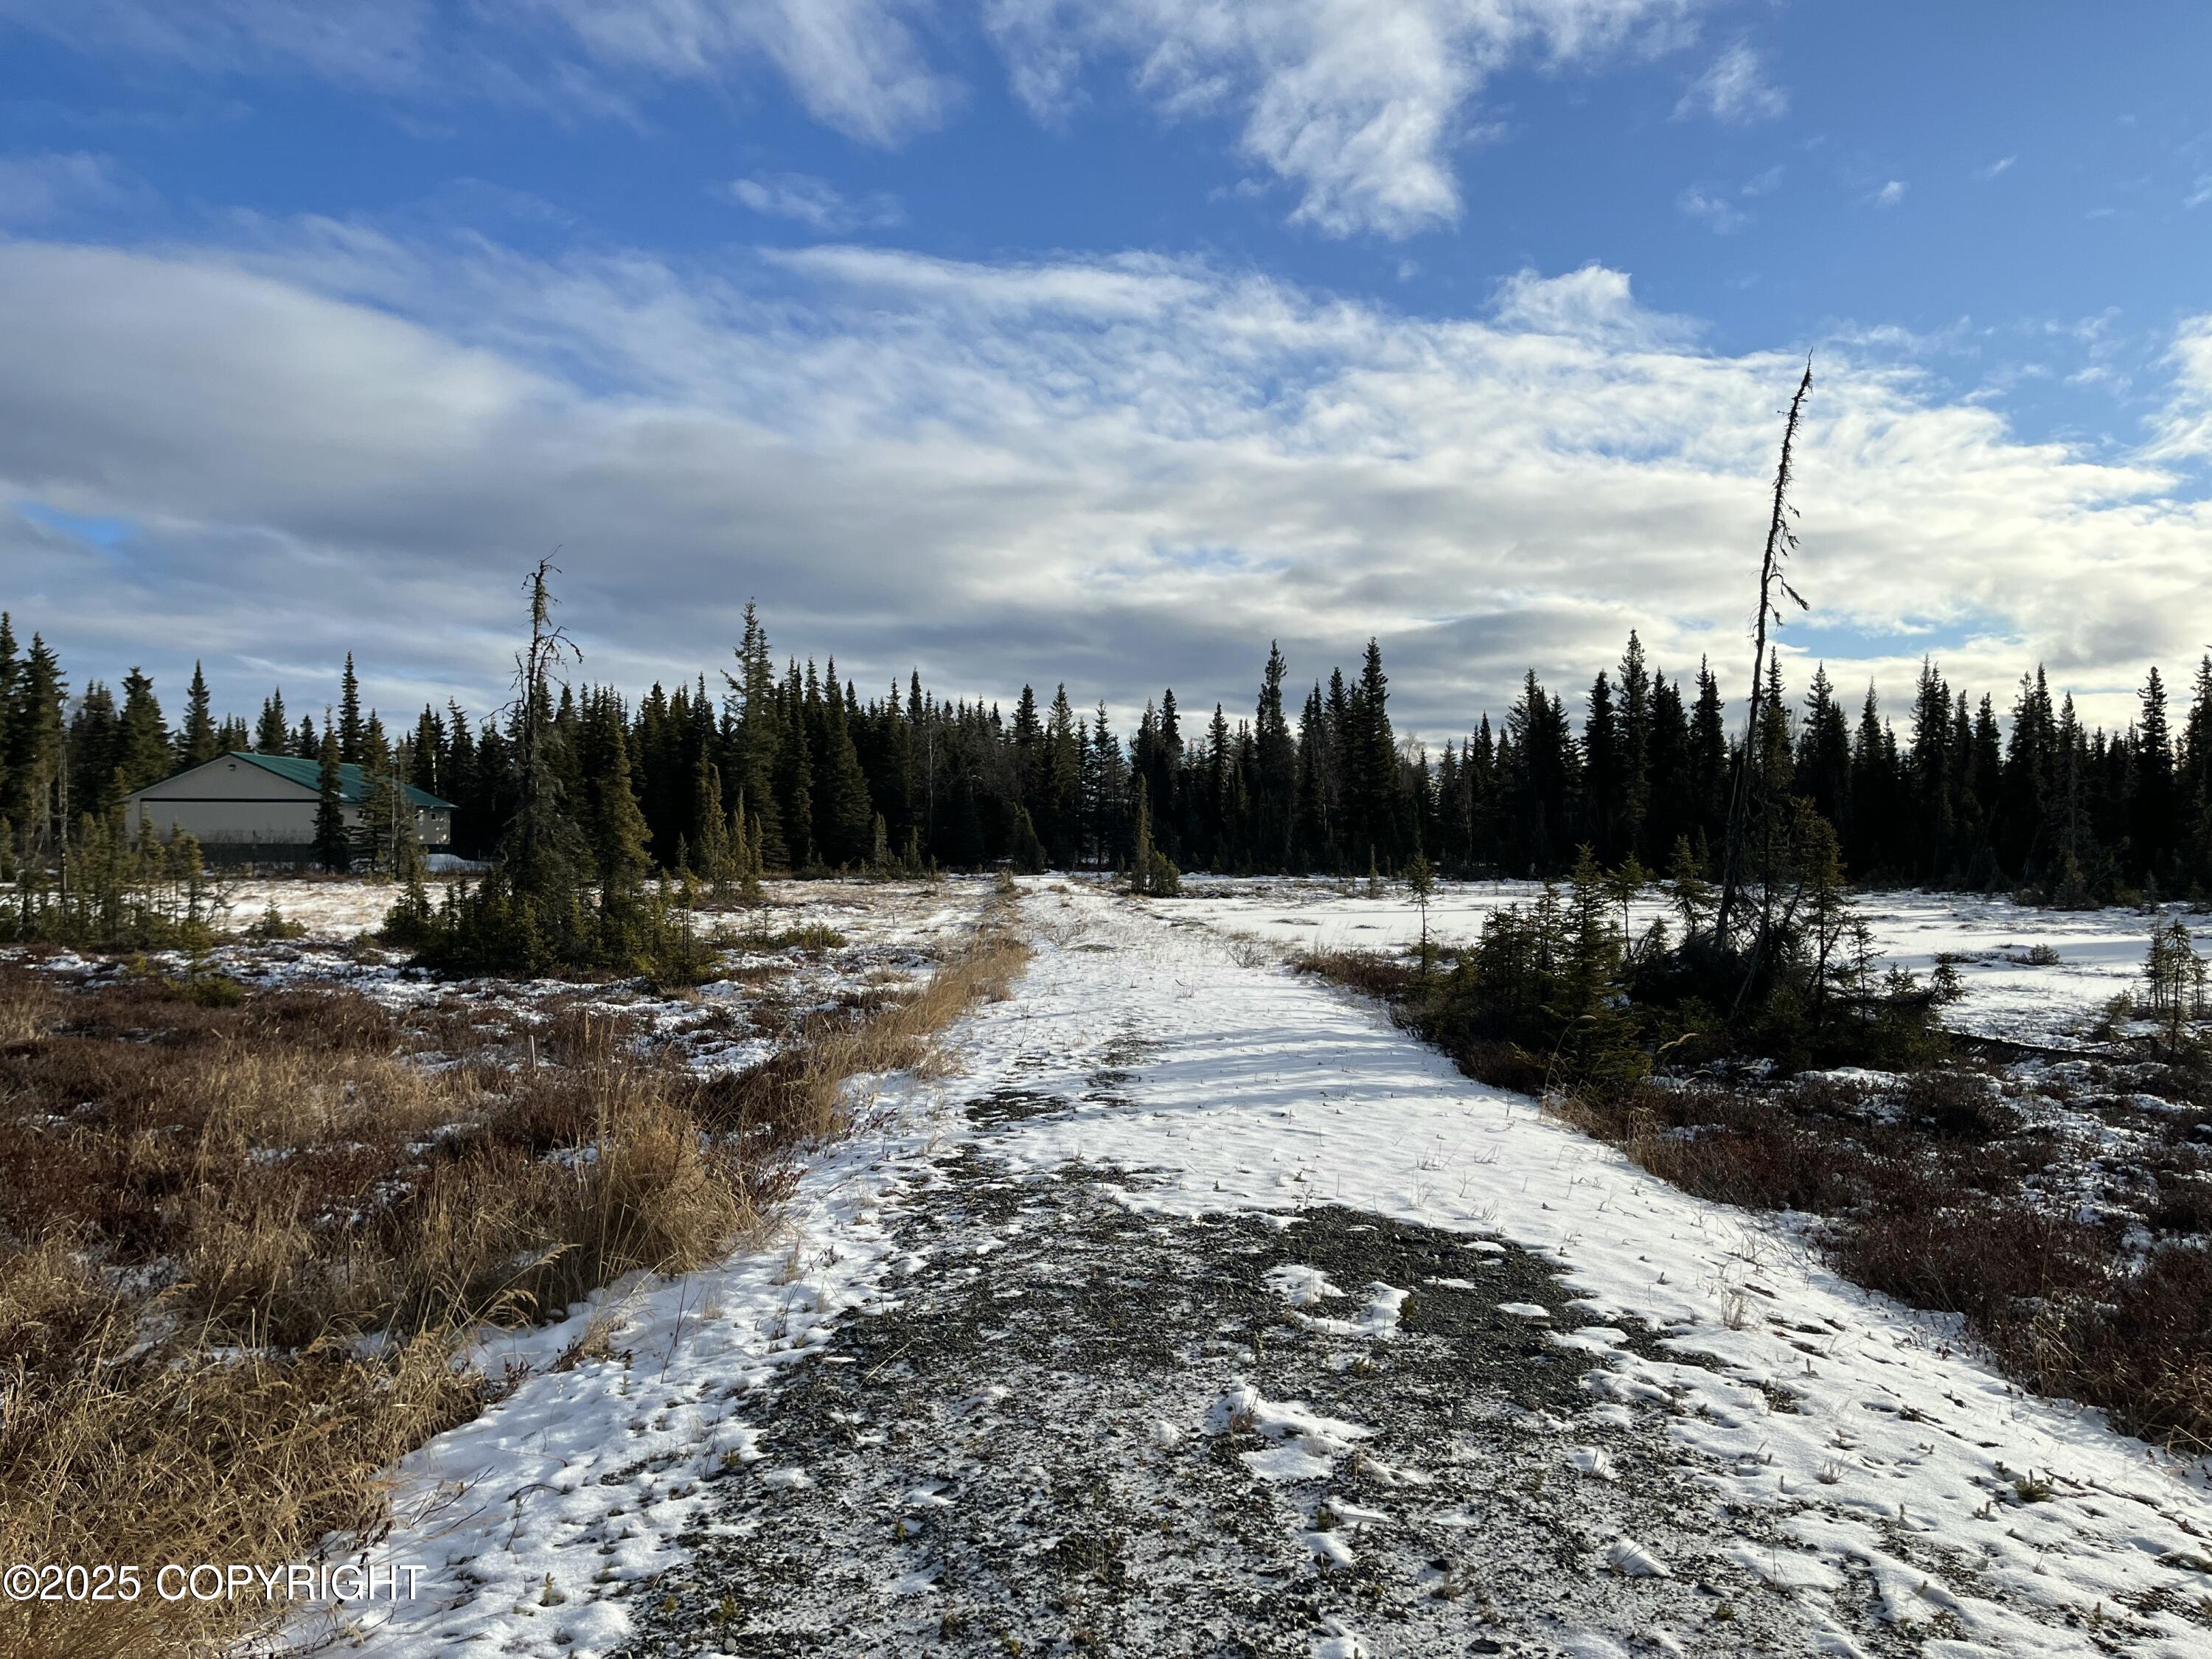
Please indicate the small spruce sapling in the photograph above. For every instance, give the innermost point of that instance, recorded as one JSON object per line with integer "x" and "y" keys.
{"x": 1624, "y": 884}
{"x": 1421, "y": 882}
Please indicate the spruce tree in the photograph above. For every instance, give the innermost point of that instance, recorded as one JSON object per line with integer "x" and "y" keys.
{"x": 1709, "y": 760}
{"x": 98, "y": 782}
{"x": 757, "y": 740}
{"x": 350, "y": 730}
{"x": 333, "y": 844}
{"x": 272, "y": 734}
{"x": 1060, "y": 786}
{"x": 2156, "y": 816}
{"x": 613, "y": 822}
{"x": 542, "y": 850}
{"x": 842, "y": 810}
{"x": 1824, "y": 751}
{"x": 1372, "y": 792}
{"x": 10, "y": 672}
{"x": 426, "y": 761}
{"x": 143, "y": 749}
{"x": 1153, "y": 874}
{"x": 198, "y": 743}
{"x": 1106, "y": 792}
{"x": 1670, "y": 811}
{"x": 714, "y": 845}
{"x": 1604, "y": 786}
{"x": 1637, "y": 719}
{"x": 376, "y": 831}
{"x": 35, "y": 741}
{"x": 1312, "y": 843}
{"x": 795, "y": 779}
{"x": 1275, "y": 769}
{"x": 1929, "y": 780}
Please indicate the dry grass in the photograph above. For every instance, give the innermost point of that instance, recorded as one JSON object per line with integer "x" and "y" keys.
{"x": 1383, "y": 973}
{"x": 1939, "y": 1207}
{"x": 209, "y": 1206}
{"x": 802, "y": 1093}
{"x": 1939, "y": 1200}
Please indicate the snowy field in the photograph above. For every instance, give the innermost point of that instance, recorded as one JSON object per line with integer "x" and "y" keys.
{"x": 1713, "y": 1445}
{"x": 891, "y": 935}
{"x": 2101, "y": 952}
{"x": 335, "y": 911}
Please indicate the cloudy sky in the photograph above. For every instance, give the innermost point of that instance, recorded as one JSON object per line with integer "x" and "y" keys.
{"x": 1102, "y": 340}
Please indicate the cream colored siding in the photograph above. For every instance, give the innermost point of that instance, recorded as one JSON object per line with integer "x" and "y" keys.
{"x": 230, "y": 802}
{"x": 287, "y": 821}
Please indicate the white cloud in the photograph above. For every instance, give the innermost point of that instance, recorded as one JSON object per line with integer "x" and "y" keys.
{"x": 1715, "y": 210}
{"x": 1358, "y": 105}
{"x": 1714, "y": 205}
{"x": 1593, "y": 303}
{"x": 856, "y": 65}
{"x": 1734, "y": 88}
{"x": 912, "y": 460}
{"x": 816, "y": 202}
{"x": 1996, "y": 168}
{"x": 384, "y": 43}
{"x": 2183, "y": 429}
{"x": 34, "y": 189}
{"x": 1890, "y": 194}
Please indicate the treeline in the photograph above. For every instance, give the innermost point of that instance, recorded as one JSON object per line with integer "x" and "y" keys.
{"x": 1637, "y": 766}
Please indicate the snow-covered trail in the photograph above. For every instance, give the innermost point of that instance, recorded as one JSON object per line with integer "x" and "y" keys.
{"x": 1847, "y": 1420}
{"x": 1207, "y": 1313}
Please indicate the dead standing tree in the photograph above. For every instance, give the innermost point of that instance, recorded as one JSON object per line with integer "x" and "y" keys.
{"x": 1781, "y": 542}
{"x": 540, "y": 848}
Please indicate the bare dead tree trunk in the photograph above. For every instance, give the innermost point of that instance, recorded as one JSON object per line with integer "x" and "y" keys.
{"x": 1780, "y": 542}
{"x": 531, "y": 839}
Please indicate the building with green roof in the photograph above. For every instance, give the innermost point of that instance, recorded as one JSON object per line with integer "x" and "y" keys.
{"x": 262, "y": 807}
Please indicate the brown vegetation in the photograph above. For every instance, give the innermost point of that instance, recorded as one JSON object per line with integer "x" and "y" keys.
{"x": 1939, "y": 1194}
{"x": 210, "y": 1205}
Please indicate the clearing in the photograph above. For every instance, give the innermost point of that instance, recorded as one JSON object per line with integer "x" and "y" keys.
{"x": 1205, "y": 1312}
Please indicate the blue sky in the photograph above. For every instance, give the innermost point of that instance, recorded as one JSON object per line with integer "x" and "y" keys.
{"x": 1104, "y": 340}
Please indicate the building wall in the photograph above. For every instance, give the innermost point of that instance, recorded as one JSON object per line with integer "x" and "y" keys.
{"x": 290, "y": 822}
{"x": 235, "y": 803}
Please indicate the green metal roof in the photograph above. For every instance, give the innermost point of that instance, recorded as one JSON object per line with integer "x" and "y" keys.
{"x": 353, "y": 783}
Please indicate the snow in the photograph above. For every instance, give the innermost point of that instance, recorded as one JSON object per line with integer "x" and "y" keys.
{"x": 1857, "y": 1422}
{"x": 2100, "y": 952}
{"x": 1844, "y": 1439}
{"x": 583, "y": 1477}
{"x": 341, "y": 909}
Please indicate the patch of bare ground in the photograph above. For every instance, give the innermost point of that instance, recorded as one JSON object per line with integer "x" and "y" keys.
{"x": 244, "y": 1239}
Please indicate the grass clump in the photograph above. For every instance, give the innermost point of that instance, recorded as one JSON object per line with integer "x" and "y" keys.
{"x": 801, "y": 936}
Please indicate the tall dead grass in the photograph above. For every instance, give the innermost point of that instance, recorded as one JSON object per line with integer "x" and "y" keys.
{"x": 802, "y": 1093}
{"x": 210, "y": 1207}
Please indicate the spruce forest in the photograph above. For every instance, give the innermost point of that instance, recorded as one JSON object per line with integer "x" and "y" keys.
{"x": 1956, "y": 794}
